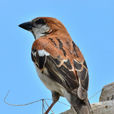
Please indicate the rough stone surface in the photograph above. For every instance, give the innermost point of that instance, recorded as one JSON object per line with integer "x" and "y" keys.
{"x": 107, "y": 93}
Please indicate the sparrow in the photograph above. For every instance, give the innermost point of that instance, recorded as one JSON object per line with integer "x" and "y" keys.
{"x": 59, "y": 63}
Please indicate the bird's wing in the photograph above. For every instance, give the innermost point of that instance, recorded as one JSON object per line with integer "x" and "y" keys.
{"x": 63, "y": 60}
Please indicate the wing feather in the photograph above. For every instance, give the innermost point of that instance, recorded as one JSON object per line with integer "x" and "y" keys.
{"x": 65, "y": 63}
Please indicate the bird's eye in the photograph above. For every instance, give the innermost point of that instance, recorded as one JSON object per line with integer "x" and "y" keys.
{"x": 40, "y": 21}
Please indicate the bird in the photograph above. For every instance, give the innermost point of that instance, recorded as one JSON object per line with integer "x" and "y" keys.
{"x": 59, "y": 63}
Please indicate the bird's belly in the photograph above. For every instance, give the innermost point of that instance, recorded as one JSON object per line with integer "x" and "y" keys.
{"x": 52, "y": 85}
{"x": 49, "y": 83}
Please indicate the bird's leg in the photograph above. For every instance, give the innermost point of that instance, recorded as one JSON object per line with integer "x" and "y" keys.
{"x": 50, "y": 107}
{"x": 55, "y": 97}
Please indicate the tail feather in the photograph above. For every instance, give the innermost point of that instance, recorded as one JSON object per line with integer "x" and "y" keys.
{"x": 80, "y": 106}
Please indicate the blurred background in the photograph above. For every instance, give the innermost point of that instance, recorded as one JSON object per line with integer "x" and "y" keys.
{"x": 91, "y": 26}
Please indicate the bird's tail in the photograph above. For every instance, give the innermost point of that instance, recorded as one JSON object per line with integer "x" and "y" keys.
{"x": 81, "y": 107}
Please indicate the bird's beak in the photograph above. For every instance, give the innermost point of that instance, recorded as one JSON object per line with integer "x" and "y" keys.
{"x": 27, "y": 26}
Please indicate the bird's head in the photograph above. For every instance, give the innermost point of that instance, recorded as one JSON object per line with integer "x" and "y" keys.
{"x": 43, "y": 26}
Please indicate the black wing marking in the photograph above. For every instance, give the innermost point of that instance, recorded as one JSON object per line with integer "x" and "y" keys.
{"x": 38, "y": 60}
{"x": 68, "y": 64}
{"x": 84, "y": 76}
{"x": 80, "y": 67}
{"x": 61, "y": 74}
{"x": 77, "y": 65}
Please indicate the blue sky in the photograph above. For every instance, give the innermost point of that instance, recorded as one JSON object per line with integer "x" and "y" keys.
{"x": 90, "y": 24}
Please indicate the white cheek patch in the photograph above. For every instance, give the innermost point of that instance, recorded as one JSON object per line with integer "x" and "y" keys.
{"x": 43, "y": 52}
{"x": 40, "y": 30}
